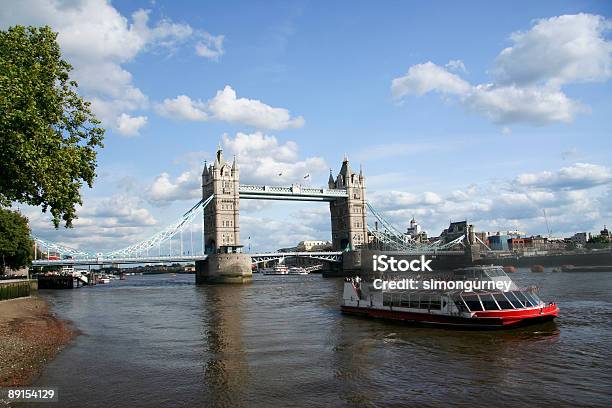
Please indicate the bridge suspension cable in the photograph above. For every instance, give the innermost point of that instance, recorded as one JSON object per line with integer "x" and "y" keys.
{"x": 165, "y": 235}
{"x": 141, "y": 247}
{"x": 392, "y": 239}
{"x": 57, "y": 248}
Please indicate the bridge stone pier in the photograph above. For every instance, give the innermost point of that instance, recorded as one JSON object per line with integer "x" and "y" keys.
{"x": 225, "y": 263}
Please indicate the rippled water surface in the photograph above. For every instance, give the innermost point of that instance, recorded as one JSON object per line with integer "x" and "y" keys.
{"x": 159, "y": 340}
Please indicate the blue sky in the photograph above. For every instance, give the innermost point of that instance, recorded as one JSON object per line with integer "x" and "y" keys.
{"x": 490, "y": 112}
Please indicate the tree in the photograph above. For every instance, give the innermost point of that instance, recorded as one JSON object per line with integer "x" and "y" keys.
{"x": 48, "y": 134}
{"x": 15, "y": 243}
{"x": 599, "y": 240}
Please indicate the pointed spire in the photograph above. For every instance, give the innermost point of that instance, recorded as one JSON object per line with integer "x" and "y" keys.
{"x": 360, "y": 171}
{"x": 234, "y": 164}
{"x": 330, "y": 182}
{"x": 345, "y": 170}
{"x": 205, "y": 171}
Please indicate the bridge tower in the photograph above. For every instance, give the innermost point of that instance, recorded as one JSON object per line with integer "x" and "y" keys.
{"x": 224, "y": 263}
{"x": 348, "y": 215}
{"x": 221, "y": 216}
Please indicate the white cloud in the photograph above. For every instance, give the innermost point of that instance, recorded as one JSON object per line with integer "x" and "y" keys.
{"x": 510, "y": 204}
{"x": 578, "y": 176}
{"x": 262, "y": 159}
{"x": 510, "y": 104}
{"x": 182, "y": 107}
{"x": 164, "y": 190}
{"x": 501, "y": 104}
{"x": 556, "y": 51}
{"x": 130, "y": 125}
{"x": 97, "y": 40}
{"x": 423, "y": 78}
{"x": 210, "y": 46}
{"x": 456, "y": 65}
{"x": 103, "y": 224}
{"x": 225, "y": 106}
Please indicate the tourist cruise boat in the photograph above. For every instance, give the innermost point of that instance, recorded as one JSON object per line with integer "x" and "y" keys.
{"x": 474, "y": 309}
{"x": 281, "y": 269}
{"x": 278, "y": 269}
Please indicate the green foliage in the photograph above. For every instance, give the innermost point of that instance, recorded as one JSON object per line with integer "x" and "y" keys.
{"x": 599, "y": 239}
{"x": 48, "y": 134}
{"x": 15, "y": 243}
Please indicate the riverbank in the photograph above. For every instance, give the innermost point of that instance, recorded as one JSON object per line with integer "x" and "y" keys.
{"x": 31, "y": 336}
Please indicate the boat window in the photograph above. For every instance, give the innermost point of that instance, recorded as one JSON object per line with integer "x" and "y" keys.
{"x": 473, "y": 303}
{"x": 405, "y": 300}
{"x": 532, "y": 298}
{"x": 494, "y": 272}
{"x": 460, "y": 305}
{"x": 414, "y": 301}
{"x": 488, "y": 302}
{"x": 526, "y": 302}
{"x": 514, "y": 300}
{"x": 424, "y": 304}
{"x": 387, "y": 299}
{"x": 502, "y": 301}
{"x": 434, "y": 302}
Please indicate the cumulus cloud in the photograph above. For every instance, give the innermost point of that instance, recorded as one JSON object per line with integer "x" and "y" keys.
{"x": 165, "y": 190}
{"x": 423, "y": 78}
{"x": 183, "y": 107}
{"x": 262, "y": 159}
{"x": 511, "y": 104}
{"x": 130, "y": 125}
{"x": 528, "y": 75}
{"x": 396, "y": 199}
{"x": 210, "y": 46}
{"x": 558, "y": 50}
{"x": 273, "y": 233}
{"x": 103, "y": 224}
{"x": 98, "y": 41}
{"x": 517, "y": 203}
{"x": 456, "y": 65}
{"x": 226, "y": 106}
{"x": 578, "y": 176}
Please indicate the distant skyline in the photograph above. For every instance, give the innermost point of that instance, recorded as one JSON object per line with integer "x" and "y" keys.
{"x": 492, "y": 112}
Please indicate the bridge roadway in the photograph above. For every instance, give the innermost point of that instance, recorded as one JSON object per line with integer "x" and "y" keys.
{"x": 335, "y": 257}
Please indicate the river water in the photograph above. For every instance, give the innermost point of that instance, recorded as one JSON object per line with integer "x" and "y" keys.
{"x": 160, "y": 340}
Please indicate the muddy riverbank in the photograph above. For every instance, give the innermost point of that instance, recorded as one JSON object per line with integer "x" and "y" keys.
{"x": 30, "y": 336}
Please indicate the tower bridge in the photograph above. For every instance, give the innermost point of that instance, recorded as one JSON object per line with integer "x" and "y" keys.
{"x": 221, "y": 259}
{"x": 221, "y": 181}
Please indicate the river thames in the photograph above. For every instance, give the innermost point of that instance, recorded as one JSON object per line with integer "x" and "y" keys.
{"x": 160, "y": 340}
